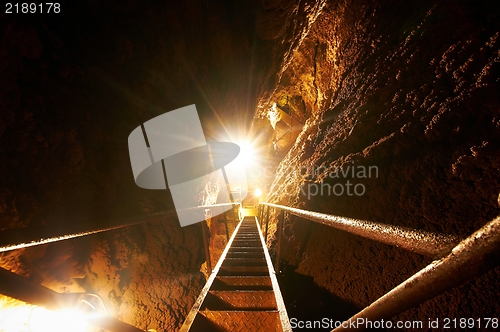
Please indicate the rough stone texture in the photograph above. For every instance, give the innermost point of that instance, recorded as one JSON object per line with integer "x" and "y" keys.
{"x": 412, "y": 89}
{"x": 73, "y": 86}
{"x": 146, "y": 273}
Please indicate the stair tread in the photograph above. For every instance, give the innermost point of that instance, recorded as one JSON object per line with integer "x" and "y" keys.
{"x": 242, "y": 282}
{"x": 241, "y": 296}
{"x": 240, "y": 300}
{"x": 236, "y": 321}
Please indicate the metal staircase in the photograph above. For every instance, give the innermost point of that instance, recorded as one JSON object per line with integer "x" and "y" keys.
{"x": 242, "y": 293}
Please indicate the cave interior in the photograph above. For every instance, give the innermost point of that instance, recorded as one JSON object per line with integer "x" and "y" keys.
{"x": 385, "y": 111}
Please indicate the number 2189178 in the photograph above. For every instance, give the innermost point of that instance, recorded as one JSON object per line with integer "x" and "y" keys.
{"x": 26, "y": 8}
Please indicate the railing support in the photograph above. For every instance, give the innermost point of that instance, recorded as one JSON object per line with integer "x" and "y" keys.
{"x": 281, "y": 221}
{"x": 267, "y": 223}
{"x": 206, "y": 246}
{"x": 225, "y": 226}
{"x": 234, "y": 214}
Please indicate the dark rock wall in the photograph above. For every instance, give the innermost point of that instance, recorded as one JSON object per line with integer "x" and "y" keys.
{"x": 73, "y": 85}
{"x": 413, "y": 89}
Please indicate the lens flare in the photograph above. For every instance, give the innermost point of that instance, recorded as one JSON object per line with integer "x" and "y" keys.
{"x": 42, "y": 320}
{"x": 19, "y": 316}
{"x": 247, "y": 155}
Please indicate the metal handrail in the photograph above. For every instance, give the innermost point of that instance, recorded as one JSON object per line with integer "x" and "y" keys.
{"x": 18, "y": 238}
{"x": 31, "y": 293}
{"x": 472, "y": 257}
{"x": 418, "y": 241}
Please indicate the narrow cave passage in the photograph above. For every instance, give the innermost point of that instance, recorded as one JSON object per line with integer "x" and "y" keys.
{"x": 376, "y": 111}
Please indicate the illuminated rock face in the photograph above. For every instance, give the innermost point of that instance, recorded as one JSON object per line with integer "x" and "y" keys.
{"x": 412, "y": 90}
{"x": 149, "y": 274}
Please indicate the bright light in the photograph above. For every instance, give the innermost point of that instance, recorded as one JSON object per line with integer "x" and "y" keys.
{"x": 14, "y": 315}
{"x": 257, "y": 192}
{"x": 19, "y": 316}
{"x": 247, "y": 154}
{"x": 242, "y": 165}
{"x": 247, "y": 169}
{"x": 43, "y": 320}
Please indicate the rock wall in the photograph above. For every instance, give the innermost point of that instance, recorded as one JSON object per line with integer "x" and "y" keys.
{"x": 411, "y": 90}
{"x": 73, "y": 86}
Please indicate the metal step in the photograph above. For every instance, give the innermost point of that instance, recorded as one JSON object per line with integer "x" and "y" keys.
{"x": 242, "y": 292}
{"x": 245, "y": 249}
{"x": 248, "y": 300}
{"x": 245, "y": 261}
{"x": 242, "y": 283}
{"x": 243, "y": 271}
{"x": 236, "y": 321}
{"x": 247, "y": 243}
{"x": 245, "y": 254}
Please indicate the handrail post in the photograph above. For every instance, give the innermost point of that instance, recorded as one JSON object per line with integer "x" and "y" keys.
{"x": 225, "y": 225}
{"x": 234, "y": 214}
{"x": 261, "y": 215}
{"x": 234, "y": 218}
{"x": 267, "y": 224}
{"x": 280, "y": 235}
{"x": 205, "y": 244}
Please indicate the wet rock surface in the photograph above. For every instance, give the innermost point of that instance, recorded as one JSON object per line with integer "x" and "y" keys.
{"x": 411, "y": 90}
